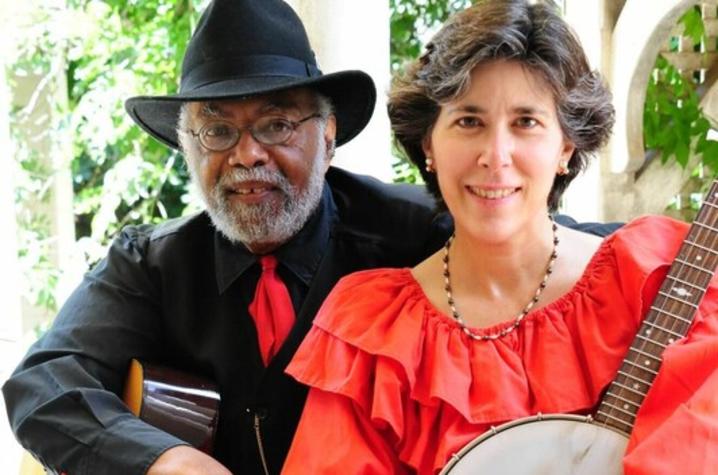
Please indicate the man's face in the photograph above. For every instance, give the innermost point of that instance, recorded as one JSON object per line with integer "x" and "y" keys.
{"x": 259, "y": 194}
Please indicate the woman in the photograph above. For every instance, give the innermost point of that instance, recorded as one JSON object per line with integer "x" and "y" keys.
{"x": 515, "y": 315}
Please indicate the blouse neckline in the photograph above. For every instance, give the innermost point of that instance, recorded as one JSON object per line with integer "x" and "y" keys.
{"x": 597, "y": 261}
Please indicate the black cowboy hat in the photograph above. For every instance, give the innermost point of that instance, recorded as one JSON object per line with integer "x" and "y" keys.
{"x": 242, "y": 48}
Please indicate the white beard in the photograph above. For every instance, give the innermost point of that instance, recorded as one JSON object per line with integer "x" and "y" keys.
{"x": 262, "y": 223}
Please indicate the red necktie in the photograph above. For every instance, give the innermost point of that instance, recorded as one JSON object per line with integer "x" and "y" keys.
{"x": 271, "y": 310}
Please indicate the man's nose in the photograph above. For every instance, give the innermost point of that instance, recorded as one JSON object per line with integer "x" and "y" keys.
{"x": 248, "y": 152}
{"x": 497, "y": 149}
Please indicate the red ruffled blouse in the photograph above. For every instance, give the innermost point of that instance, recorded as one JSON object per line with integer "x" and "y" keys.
{"x": 397, "y": 387}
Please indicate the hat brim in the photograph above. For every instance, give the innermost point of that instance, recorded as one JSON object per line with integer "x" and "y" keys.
{"x": 352, "y": 94}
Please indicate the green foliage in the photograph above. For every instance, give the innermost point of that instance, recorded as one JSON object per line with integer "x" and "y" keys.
{"x": 120, "y": 174}
{"x": 34, "y": 231}
{"x": 104, "y": 52}
{"x": 412, "y": 23}
{"x": 671, "y": 117}
{"x": 674, "y": 124}
{"x": 693, "y": 26}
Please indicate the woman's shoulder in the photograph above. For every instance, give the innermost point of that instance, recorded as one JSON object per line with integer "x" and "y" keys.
{"x": 649, "y": 241}
{"x": 365, "y": 306}
{"x": 366, "y": 288}
{"x": 371, "y": 319}
{"x": 649, "y": 236}
{"x": 366, "y": 279}
{"x": 632, "y": 260}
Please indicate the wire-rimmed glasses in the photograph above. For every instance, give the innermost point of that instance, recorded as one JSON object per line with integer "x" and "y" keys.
{"x": 220, "y": 135}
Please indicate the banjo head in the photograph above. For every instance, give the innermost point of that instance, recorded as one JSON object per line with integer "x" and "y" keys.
{"x": 552, "y": 445}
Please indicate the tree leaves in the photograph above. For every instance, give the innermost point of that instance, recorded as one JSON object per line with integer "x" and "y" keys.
{"x": 105, "y": 51}
{"x": 412, "y": 22}
{"x": 673, "y": 121}
{"x": 135, "y": 50}
{"x": 693, "y": 26}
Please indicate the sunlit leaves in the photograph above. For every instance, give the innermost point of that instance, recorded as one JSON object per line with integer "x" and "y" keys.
{"x": 412, "y": 23}
{"x": 693, "y": 26}
{"x": 673, "y": 122}
{"x": 136, "y": 51}
{"x": 104, "y": 52}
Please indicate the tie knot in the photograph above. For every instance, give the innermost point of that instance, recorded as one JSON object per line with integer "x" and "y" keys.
{"x": 268, "y": 262}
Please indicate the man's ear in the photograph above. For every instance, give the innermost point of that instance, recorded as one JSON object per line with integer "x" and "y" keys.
{"x": 330, "y": 133}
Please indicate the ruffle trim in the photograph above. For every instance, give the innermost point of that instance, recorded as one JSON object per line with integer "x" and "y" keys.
{"x": 379, "y": 341}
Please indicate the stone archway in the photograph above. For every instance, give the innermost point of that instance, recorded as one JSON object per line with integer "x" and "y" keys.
{"x": 640, "y": 34}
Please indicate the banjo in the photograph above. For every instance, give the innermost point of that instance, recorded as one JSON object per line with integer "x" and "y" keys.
{"x": 565, "y": 444}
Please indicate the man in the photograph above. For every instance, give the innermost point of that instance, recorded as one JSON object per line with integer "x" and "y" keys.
{"x": 258, "y": 124}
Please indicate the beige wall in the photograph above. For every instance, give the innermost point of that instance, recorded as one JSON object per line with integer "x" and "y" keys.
{"x": 583, "y": 199}
{"x": 351, "y": 34}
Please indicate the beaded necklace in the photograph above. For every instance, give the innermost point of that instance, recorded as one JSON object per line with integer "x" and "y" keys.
{"x": 520, "y": 316}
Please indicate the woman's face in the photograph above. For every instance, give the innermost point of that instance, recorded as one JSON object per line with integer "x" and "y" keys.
{"x": 496, "y": 151}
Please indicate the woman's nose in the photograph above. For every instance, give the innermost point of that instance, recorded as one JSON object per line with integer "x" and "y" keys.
{"x": 496, "y": 150}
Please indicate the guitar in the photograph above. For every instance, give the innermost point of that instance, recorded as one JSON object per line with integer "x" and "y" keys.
{"x": 181, "y": 404}
{"x": 561, "y": 444}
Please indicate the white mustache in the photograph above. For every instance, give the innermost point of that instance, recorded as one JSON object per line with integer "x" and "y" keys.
{"x": 239, "y": 175}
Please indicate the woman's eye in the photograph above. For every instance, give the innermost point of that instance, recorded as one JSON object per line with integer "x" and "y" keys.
{"x": 469, "y": 122}
{"x": 526, "y": 122}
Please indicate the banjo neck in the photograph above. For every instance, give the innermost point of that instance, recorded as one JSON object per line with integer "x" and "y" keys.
{"x": 668, "y": 319}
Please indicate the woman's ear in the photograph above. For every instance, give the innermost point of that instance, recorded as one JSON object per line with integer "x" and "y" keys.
{"x": 567, "y": 151}
{"x": 426, "y": 146}
{"x": 428, "y": 155}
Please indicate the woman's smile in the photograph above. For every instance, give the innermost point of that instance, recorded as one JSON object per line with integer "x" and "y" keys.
{"x": 493, "y": 193}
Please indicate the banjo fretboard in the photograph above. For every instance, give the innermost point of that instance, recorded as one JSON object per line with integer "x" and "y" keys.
{"x": 668, "y": 319}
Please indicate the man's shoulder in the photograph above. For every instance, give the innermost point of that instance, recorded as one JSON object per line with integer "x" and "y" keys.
{"x": 396, "y": 219}
{"x": 595, "y": 228}
{"x": 392, "y": 213}
{"x": 184, "y": 227}
{"x": 357, "y": 196}
{"x": 352, "y": 185}
{"x": 181, "y": 226}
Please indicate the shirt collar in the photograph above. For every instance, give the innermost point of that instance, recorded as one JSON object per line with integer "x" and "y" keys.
{"x": 301, "y": 254}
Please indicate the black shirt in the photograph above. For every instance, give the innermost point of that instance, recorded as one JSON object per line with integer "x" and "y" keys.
{"x": 177, "y": 294}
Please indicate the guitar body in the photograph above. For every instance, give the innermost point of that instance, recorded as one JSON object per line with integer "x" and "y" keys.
{"x": 181, "y": 404}
{"x": 543, "y": 445}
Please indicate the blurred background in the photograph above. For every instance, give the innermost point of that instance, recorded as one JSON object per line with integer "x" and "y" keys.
{"x": 74, "y": 169}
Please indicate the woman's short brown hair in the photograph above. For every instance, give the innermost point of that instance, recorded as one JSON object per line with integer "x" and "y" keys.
{"x": 534, "y": 35}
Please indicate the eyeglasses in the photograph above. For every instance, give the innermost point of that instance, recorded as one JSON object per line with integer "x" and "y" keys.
{"x": 220, "y": 136}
